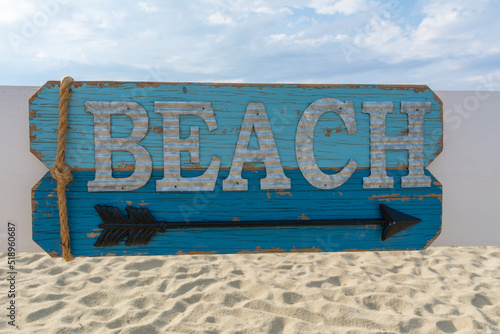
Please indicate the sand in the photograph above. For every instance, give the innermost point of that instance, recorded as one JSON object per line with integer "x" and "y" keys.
{"x": 439, "y": 290}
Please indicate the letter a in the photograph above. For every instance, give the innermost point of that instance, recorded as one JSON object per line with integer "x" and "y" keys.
{"x": 256, "y": 118}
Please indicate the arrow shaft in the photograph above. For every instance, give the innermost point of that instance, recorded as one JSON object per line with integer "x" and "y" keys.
{"x": 278, "y": 223}
{"x": 258, "y": 223}
{"x": 141, "y": 219}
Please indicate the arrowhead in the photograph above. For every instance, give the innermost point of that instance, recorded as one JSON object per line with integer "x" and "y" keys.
{"x": 396, "y": 221}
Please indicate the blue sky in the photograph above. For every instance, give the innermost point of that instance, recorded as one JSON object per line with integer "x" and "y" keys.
{"x": 448, "y": 45}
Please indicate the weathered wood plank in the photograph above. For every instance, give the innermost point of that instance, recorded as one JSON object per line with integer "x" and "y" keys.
{"x": 301, "y": 202}
{"x": 284, "y": 105}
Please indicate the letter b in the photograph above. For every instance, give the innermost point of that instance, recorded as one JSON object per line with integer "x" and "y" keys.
{"x": 105, "y": 145}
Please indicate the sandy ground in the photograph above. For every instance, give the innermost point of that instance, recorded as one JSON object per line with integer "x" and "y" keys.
{"x": 439, "y": 290}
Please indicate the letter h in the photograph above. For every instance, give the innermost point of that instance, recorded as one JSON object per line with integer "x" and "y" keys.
{"x": 380, "y": 143}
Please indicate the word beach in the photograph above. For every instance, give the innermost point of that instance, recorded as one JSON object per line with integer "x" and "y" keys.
{"x": 255, "y": 120}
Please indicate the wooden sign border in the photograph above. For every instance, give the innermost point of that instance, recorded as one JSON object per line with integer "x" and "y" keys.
{"x": 45, "y": 216}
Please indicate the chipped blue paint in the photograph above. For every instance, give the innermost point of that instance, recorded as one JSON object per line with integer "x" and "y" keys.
{"x": 284, "y": 105}
{"x": 303, "y": 201}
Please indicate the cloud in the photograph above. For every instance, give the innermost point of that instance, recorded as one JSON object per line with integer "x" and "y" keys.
{"x": 301, "y": 40}
{"x": 230, "y": 11}
{"x": 441, "y": 43}
{"x": 146, "y": 7}
{"x": 219, "y": 18}
{"x": 448, "y": 29}
{"x": 14, "y": 11}
{"x": 346, "y": 7}
{"x": 273, "y": 11}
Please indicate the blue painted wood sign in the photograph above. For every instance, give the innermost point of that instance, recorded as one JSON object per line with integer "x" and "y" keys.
{"x": 187, "y": 168}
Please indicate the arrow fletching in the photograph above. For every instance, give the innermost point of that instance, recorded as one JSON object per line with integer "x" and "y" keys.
{"x": 140, "y": 226}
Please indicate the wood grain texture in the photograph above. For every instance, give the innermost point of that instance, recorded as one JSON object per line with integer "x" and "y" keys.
{"x": 284, "y": 105}
{"x": 301, "y": 202}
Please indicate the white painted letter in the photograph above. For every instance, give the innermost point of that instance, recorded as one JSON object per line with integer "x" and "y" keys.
{"x": 105, "y": 145}
{"x": 256, "y": 119}
{"x": 380, "y": 143}
{"x": 173, "y": 144}
{"x": 304, "y": 139}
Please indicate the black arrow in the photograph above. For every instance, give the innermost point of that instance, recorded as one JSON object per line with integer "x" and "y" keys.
{"x": 141, "y": 226}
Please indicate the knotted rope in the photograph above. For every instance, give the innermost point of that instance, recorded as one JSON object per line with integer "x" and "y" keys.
{"x": 60, "y": 171}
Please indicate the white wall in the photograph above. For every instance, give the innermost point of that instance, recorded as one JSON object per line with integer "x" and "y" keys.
{"x": 468, "y": 168}
{"x": 19, "y": 169}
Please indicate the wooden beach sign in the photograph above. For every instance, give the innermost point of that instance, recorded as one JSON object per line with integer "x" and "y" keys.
{"x": 188, "y": 168}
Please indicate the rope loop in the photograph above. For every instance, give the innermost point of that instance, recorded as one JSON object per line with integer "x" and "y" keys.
{"x": 63, "y": 176}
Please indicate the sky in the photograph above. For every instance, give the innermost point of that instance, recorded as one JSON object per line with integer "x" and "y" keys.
{"x": 445, "y": 44}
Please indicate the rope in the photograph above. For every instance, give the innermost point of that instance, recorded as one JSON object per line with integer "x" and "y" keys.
{"x": 60, "y": 171}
